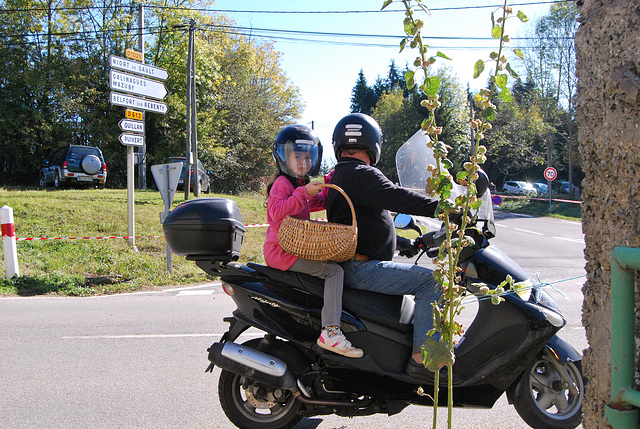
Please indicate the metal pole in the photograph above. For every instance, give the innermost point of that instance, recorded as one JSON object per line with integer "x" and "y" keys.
{"x": 142, "y": 165}
{"x": 619, "y": 413}
{"x": 187, "y": 163}
{"x": 194, "y": 115}
{"x": 167, "y": 208}
{"x": 130, "y": 200}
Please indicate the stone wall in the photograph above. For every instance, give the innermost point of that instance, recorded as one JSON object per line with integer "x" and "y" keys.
{"x": 608, "y": 114}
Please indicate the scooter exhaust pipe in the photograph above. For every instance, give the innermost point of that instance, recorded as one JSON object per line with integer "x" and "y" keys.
{"x": 252, "y": 364}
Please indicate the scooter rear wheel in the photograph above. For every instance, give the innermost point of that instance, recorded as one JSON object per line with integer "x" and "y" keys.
{"x": 543, "y": 401}
{"x": 249, "y": 404}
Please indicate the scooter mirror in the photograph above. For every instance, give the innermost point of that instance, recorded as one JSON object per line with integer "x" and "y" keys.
{"x": 405, "y": 221}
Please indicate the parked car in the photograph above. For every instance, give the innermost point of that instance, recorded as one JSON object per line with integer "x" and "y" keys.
{"x": 203, "y": 175}
{"x": 74, "y": 164}
{"x": 518, "y": 188}
{"x": 541, "y": 188}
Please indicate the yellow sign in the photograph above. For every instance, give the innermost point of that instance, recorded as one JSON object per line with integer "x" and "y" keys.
{"x": 133, "y": 114}
{"x": 134, "y": 55}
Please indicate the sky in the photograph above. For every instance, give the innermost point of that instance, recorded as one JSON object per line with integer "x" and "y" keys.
{"x": 325, "y": 68}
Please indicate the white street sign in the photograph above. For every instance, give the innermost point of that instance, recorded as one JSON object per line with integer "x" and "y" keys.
{"x": 131, "y": 125}
{"x": 166, "y": 177}
{"x": 138, "y": 103}
{"x": 129, "y": 139}
{"x": 139, "y": 68}
{"x": 132, "y": 84}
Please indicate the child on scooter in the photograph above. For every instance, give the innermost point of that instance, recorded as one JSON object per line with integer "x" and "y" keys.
{"x": 297, "y": 152}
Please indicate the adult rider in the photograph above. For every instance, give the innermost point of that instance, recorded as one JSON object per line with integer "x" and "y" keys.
{"x": 357, "y": 141}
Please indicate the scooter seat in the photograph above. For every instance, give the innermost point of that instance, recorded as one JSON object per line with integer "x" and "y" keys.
{"x": 393, "y": 311}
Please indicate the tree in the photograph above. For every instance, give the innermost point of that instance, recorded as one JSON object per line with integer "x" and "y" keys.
{"x": 54, "y": 88}
{"x": 362, "y": 96}
{"x": 549, "y": 62}
{"x": 400, "y": 114}
{"x": 516, "y": 142}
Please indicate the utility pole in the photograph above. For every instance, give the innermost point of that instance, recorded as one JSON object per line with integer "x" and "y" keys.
{"x": 141, "y": 159}
{"x": 191, "y": 147}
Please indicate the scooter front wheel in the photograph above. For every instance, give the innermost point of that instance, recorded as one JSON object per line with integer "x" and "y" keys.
{"x": 545, "y": 400}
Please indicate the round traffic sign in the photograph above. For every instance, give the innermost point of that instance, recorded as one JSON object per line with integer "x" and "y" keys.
{"x": 496, "y": 200}
{"x": 550, "y": 173}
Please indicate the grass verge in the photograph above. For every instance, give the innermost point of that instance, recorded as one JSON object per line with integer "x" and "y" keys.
{"x": 92, "y": 267}
{"x": 84, "y": 267}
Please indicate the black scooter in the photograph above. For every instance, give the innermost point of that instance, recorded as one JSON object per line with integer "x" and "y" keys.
{"x": 275, "y": 381}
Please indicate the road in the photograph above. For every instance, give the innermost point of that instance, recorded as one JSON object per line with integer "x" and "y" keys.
{"x": 138, "y": 360}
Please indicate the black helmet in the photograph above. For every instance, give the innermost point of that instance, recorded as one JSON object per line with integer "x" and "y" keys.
{"x": 301, "y": 140}
{"x": 358, "y": 131}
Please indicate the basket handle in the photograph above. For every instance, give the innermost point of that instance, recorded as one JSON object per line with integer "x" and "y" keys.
{"x": 346, "y": 197}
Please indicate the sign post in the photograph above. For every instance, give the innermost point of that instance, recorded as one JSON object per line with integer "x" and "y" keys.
{"x": 166, "y": 177}
{"x": 137, "y": 87}
{"x": 550, "y": 174}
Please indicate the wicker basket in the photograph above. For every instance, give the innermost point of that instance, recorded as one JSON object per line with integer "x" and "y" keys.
{"x": 320, "y": 241}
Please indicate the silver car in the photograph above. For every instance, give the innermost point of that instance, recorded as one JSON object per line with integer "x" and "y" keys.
{"x": 519, "y": 188}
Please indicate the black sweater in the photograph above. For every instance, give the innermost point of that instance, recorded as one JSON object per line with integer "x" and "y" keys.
{"x": 373, "y": 195}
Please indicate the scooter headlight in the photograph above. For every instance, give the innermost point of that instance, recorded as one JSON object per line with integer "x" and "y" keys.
{"x": 554, "y": 318}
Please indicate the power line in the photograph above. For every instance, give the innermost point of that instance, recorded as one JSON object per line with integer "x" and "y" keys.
{"x": 282, "y": 12}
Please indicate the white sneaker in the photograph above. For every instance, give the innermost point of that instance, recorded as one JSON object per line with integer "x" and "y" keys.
{"x": 331, "y": 338}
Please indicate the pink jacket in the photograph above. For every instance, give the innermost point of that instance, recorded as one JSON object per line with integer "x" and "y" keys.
{"x": 285, "y": 200}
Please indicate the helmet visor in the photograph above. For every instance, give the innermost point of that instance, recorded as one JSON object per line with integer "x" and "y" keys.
{"x": 300, "y": 158}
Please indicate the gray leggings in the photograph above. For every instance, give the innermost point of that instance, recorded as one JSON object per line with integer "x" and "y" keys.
{"x": 333, "y": 280}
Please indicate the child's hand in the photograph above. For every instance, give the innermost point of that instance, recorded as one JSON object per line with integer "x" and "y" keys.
{"x": 313, "y": 188}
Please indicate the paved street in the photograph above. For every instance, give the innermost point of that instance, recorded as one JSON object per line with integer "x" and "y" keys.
{"x": 138, "y": 360}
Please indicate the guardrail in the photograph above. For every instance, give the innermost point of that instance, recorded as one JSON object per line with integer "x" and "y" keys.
{"x": 622, "y": 411}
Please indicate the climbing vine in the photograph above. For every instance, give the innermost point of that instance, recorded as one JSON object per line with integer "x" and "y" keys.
{"x": 454, "y": 211}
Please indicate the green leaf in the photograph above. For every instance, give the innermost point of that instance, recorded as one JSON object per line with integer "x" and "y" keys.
{"x": 409, "y": 78}
{"x": 441, "y": 55}
{"x": 489, "y": 114}
{"x": 478, "y": 68}
{"x": 476, "y": 205}
{"x": 519, "y": 53}
{"x": 403, "y": 43}
{"x": 386, "y": 3}
{"x": 522, "y": 16}
{"x": 433, "y": 86}
{"x": 505, "y": 95}
{"x": 501, "y": 81}
{"x": 409, "y": 27}
{"x": 446, "y": 163}
{"x": 496, "y": 32}
{"x": 461, "y": 176}
{"x": 511, "y": 71}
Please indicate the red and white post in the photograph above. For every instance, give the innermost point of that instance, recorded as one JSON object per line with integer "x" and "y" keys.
{"x": 9, "y": 242}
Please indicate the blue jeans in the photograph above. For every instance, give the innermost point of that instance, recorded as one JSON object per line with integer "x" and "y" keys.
{"x": 398, "y": 279}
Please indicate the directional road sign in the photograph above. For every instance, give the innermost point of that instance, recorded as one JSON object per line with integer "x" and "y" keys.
{"x": 133, "y": 84}
{"x": 129, "y": 139}
{"x": 133, "y": 126}
{"x": 138, "y": 68}
{"x": 138, "y": 103}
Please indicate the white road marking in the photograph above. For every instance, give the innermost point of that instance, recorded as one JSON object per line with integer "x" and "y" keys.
{"x": 115, "y": 337}
{"x": 528, "y": 232}
{"x": 570, "y": 239}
